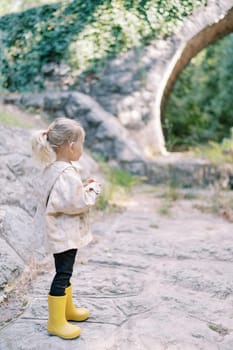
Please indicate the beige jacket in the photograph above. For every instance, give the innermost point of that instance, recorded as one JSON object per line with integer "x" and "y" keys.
{"x": 66, "y": 202}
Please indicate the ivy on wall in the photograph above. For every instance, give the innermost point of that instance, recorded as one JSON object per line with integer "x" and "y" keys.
{"x": 83, "y": 34}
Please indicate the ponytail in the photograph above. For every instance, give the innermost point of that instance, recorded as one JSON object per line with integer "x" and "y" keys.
{"x": 46, "y": 142}
{"x": 41, "y": 149}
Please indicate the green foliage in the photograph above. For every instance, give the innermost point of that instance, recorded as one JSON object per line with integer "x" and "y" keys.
{"x": 8, "y": 119}
{"x": 118, "y": 185}
{"x": 219, "y": 203}
{"x": 120, "y": 177}
{"x": 82, "y": 33}
{"x": 219, "y": 329}
{"x": 165, "y": 208}
{"x": 200, "y": 107}
{"x": 218, "y": 153}
{"x": 10, "y": 6}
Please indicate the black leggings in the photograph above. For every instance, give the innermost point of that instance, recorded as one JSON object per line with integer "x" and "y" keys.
{"x": 64, "y": 263}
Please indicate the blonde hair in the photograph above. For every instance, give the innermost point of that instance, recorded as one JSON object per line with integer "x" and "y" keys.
{"x": 60, "y": 132}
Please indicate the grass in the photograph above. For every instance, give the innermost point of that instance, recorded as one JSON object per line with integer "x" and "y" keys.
{"x": 219, "y": 329}
{"x": 15, "y": 293}
{"x": 220, "y": 203}
{"x": 171, "y": 194}
{"x": 165, "y": 208}
{"x": 217, "y": 153}
{"x": 119, "y": 184}
{"x": 11, "y": 120}
{"x": 13, "y": 116}
{"x": 117, "y": 188}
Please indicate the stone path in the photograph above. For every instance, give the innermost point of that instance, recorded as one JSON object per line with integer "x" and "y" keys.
{"x": 151, "y": 281}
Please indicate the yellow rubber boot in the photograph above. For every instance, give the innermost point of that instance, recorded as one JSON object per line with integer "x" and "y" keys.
{"x": 57, "y": 323}
{"x": 74, "y": 313}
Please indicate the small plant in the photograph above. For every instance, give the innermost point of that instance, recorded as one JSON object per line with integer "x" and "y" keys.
{"x": 168, "y": 196}
{"x": 24, "y": 304}
{"x": 219, "y": 329}
{"x": 218, "y": 153}
{"x": 171, "y": 191}
{"x": 165, "y": 208}
{"x": 220, "y": 203}
{"x": 190, "y": 195}
{"x": 118, "y": 185}
{"x": 7, "y": 118}
{"x": 172, "y": 194}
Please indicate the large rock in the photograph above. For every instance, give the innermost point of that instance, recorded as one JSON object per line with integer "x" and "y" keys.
{"x": 11, "y": 264}
{"x": 104, "y": 133}
{"x": 17, "y": 229}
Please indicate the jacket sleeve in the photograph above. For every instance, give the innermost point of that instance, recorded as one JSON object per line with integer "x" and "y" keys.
{"x": 69, "y": 196}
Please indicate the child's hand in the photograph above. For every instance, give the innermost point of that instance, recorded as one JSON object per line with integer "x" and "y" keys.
{"x": 93, "y": 185}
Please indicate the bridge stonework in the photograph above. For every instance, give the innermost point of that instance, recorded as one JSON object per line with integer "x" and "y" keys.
{"x": 134, "y": 86}
{"x": 199, "y": 31}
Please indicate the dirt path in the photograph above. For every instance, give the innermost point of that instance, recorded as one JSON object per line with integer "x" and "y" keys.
{"x": 153, "y": 279}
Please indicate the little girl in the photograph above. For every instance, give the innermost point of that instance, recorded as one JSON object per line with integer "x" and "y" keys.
{"x": 65, "y": 202}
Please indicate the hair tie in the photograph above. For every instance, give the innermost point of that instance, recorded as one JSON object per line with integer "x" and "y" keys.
{"x": 46, "y": 132}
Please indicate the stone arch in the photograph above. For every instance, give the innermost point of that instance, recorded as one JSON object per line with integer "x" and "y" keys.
{"x": 134, "y": 85}
{"x": 202, "y": 29}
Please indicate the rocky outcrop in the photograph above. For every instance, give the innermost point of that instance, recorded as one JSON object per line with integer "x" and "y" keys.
{"x": 104, "y": 134}
{"x": 16, "y": 204}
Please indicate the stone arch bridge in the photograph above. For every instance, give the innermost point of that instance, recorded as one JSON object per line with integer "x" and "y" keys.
{"x": 134, "y": 86}
{"x": 202, "y": 29}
